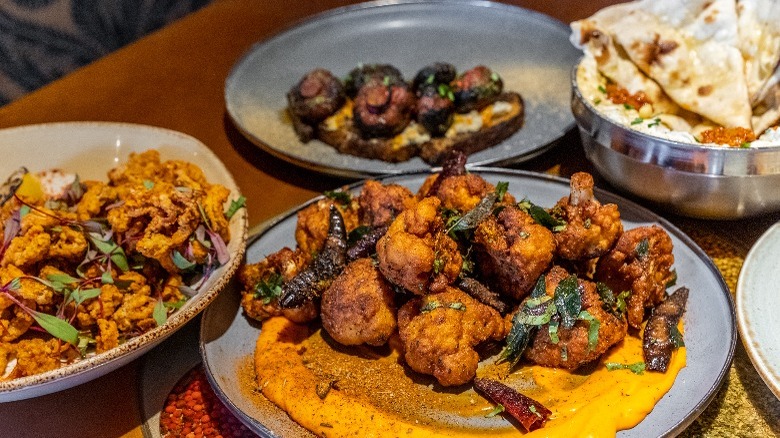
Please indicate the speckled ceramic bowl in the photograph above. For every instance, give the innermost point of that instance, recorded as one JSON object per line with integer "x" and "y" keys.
{"x": 91, "y": 149}
{"x": 710, "y": 182}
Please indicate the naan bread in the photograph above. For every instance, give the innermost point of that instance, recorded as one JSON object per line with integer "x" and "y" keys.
{"x": 690, "y": 48}
{"x": 616, "y": 66}
{"x": 759, "y": 42}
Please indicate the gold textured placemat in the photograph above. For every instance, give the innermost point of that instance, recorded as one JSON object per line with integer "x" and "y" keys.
{"x": 744, "y": 405}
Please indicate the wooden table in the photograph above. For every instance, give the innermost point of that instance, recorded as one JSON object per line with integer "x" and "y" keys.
{"x": 174, "y": 78}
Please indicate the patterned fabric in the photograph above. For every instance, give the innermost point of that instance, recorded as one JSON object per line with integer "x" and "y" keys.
{"x": 41, "y": 40}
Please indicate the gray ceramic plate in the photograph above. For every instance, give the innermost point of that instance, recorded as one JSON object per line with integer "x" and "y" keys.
{"x": 757, "y": 307}
{"x": 228, "y": 338}
{"x": 531, "y": 51}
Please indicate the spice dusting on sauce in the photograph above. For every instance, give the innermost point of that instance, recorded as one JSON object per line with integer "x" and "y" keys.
{"x": 292, "y": 360}
{"x": 737, "y": 137}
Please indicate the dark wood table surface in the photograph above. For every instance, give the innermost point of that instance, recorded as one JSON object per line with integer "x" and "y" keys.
{"x": 175, "y": 79}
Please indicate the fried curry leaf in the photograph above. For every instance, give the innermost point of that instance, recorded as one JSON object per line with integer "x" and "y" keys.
{"x": 676, "y": 337}
{"x": 430, "y": 305}
{"x": 541, "y": 216}
{"x": 642, "y": 249}
{"x": 568, "y": 301}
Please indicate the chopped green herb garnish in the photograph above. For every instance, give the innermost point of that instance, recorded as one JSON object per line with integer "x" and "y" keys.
{"x": 602, "y": 89}
{"x": 636, "y": 368}
{"x": 552, "y": 329}
{"x": 593, "y": 328}
{"x": 596, "y": 101}
{"x": 457, "y": 306}
{"x": 655, "y": 122}
{"x": 745, "y": 145}
{"x": 496, "y": 410}
{"x": 637, "y": 121}
{"x": 627, "y": 106}
{"x": 339, "y": 196}
{"x": 148, "y": 184}
{"x": 430, "y": 305}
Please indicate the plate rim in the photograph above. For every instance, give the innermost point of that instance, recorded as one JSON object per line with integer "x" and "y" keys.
{"x": 100, "y": 364}
{"x": 752, "y": 347}
{"x": 625, "y": 205}
{"x": 346, "y": 172}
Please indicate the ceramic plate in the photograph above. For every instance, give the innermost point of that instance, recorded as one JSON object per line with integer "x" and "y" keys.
{"x": 529, "y": 50}
{"x": 228, "y": 337}
{"x": 91, "y": 149}
{"x": 758, "y": 305}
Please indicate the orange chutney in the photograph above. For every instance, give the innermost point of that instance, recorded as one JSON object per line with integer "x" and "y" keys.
{"x": 338, "y": 391}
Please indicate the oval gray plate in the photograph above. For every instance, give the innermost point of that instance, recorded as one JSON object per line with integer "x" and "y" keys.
{"x": 227, "y": 337}
{"x": 531, "y": 52}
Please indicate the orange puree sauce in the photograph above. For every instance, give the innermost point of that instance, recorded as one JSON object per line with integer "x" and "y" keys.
{"x": 338, "y": 391}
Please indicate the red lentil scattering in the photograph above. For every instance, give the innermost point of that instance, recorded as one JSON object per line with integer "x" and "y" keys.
{"x": 192, "y": 410}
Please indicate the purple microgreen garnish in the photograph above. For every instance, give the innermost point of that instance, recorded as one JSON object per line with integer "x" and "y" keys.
{"x": 160, "y": 313}
{"x": 181, "y": 262}
{"x": 223, "y": 256}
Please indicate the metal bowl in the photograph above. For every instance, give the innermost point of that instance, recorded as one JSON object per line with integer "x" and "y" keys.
{"x": 710, "y": 182}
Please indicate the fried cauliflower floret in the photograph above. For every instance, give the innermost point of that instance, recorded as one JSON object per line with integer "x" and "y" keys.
{"x": 68, "y": 243}
{"x": 572, "y": 349}
{"x": 162, "y": 216}
{"x": 135, "y": 313}
{"x": 147, "y": 166}
{"x": 512, "y": 251}
{"x": 380, "y": 203}
{"x": 35, "y": 356}
{"x": 359, "y": 306}
{"x": 261, "y": 285}
{"x": 214, "y": 209}
{"x": 440, "y": 332}
{"x": 29, "y": 289}
{"x": 641, "y": 262}
{"x": 314, "y": 220}
{"x": 100, "y": 307}
{"x": 14, "y": 321}
{"x": 28, "y": 248}
{"x": 463, "y": 192}
{"x": 416, "y": 254}
{"x": 96, "y": 197}
{"x": 591, "y": 228}
{"x": 108, "y": 335}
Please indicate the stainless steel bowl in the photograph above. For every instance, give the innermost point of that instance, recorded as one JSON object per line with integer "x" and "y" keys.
{"x": 708, "y": 182}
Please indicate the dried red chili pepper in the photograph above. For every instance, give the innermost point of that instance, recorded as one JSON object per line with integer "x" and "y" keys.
{"x": 529, "y": 412}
